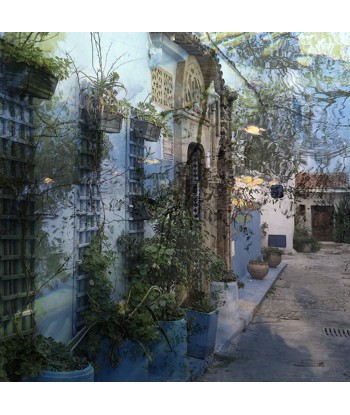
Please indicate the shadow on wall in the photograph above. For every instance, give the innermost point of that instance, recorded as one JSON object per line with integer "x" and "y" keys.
{"x": 246, "y": 240}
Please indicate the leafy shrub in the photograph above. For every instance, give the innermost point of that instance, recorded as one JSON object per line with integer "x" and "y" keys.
{"x": 341, "y": 227}
{"x": 29, "y": 356}
{"x": 302, "y": 235}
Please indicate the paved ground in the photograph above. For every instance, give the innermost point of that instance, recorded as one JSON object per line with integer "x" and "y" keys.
{"x": 287, "y": 340}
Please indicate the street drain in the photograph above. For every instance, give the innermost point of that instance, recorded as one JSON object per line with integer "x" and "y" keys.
{"x": 336, "y": 332}
{"x": 309, "y": 363}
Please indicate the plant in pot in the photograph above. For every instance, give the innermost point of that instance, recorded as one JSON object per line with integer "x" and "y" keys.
{"x": 118, "y": 332}
{"x": 167, "y": 260}
{"x": 155, "y": 263}
{"x": 36, "y": 358}
{"x": 28, "y": 68}
{"x": 272, "y": 255}
{"x": 149, "y": 123}
{"x": 303, "y": 241}
{"x": 103, "y": 108}
{"x": 224, "y": 288}
{"x": 258, "y": 268}
{"x": 202, "y": 323}
{"x": 202, "y": 314}
{"x": 224, "y": 285}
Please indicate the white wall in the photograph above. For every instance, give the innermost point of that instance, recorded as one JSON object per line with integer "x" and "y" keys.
{"x": 280, "y": 220}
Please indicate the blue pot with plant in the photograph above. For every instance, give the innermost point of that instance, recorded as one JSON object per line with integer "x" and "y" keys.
{"x": 36, "y": 358}
{"x": 131, "y": 366}
{"x": 118, "y": 332}
{"x": 169, "y": 354}
{"x": 202, "y": 324}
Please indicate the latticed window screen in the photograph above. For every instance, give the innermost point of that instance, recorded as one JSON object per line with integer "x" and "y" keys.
{"x": 17, "y": 215}
{"x": 88, "y": 213}
{"x": 162, "y": 88}
{"x": 136, "y": 155}
{"x": 87, "y": 219}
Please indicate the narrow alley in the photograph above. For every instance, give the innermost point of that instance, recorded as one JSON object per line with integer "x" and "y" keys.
{"x": 301, "y": 332}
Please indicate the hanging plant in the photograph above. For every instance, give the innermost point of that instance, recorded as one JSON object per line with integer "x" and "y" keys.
{"x": 103, "y": 108}
{"x": 105, "y": 111}
{"x": 149, "y": 123}
{"x": 28, "y": 68}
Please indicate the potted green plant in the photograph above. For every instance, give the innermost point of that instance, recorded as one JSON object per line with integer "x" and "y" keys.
{"x": 202, "y": 323}
{"x": 36, "y": 358}
{"x": 273, "y": 255}
{"x": 258, "y": 267}
{"x": 103, "y": 108}
{"x": 166, "y": 259}
{"x": 154, "y": 261}
{"x": 224, "y": 286}
{"x": 118, "y": 332}
{"x": 28, "y": 68}
{"x": 149, "y": 123}
{"x": 203, "y": 314}
{"x": 303, "y": 241}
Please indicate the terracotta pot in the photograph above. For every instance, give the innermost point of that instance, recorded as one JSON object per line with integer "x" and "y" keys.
{"x": 258, "y": 270}
{"x": 274, "y": 259}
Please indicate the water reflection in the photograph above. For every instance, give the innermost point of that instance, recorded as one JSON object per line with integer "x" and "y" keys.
{"x": 297, "y": 87}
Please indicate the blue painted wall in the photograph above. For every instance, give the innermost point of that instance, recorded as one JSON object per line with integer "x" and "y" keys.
{"x": 246, "y": 240}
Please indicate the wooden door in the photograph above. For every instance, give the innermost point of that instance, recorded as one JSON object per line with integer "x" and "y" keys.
{"x": 322, "y": 222}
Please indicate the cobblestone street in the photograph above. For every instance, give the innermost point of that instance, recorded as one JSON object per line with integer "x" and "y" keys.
{"x": 302, "y": 329}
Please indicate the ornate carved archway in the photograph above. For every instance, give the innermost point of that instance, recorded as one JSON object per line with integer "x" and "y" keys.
{"x": 193, "y": 86}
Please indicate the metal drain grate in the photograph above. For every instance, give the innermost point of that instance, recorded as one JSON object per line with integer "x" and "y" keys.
{"x": 336, "y": 332}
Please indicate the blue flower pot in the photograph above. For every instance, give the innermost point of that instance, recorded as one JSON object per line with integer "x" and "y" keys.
{"x": 201, "y": 335}
{"x": 82, "y": 375}
{"x": 132, "y": 365}
{"x": 170, "y": 364}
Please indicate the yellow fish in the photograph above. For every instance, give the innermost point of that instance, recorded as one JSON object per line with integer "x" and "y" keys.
{"x": 246, "y": 179}
{"x": 48, "y": 180}
{"x": 257, "y": 181}
{"x": 152, "y": 161}
{"x": 253, "y": 130}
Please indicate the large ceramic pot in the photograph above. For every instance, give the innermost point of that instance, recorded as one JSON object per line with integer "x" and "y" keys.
{"x": 146, "y": 130}
{"x": 82, "y": 375}
{"x": 274, "y": 259}
{"x": 201, "y": 333}
{"x": 257, "y": 269}
{"x": 36, "y": 82}
{"x": 131, "y": 367}
{"x": 169, "y": 354}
